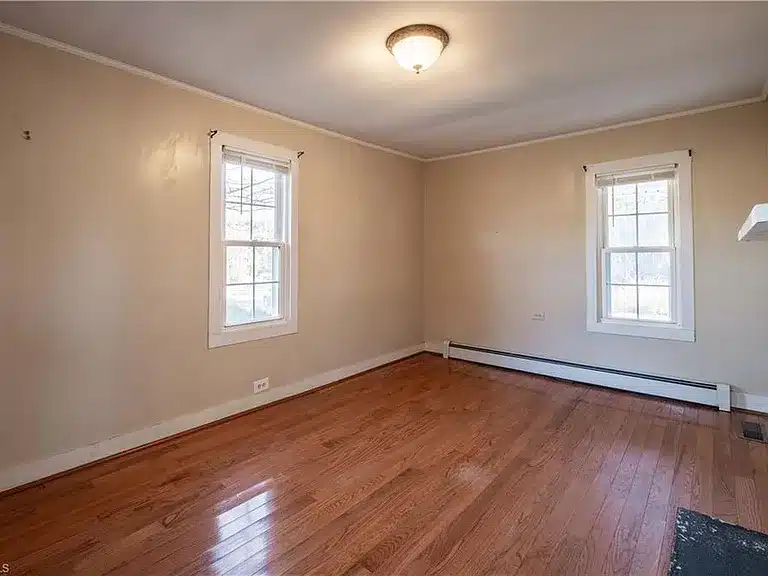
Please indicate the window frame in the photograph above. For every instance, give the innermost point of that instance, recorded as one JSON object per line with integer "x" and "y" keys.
{"x": 681, "y": 282}
{"x": 219, "y": 334}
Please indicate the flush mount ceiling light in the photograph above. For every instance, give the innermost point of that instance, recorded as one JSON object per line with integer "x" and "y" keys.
{"x": 418, "y": 46}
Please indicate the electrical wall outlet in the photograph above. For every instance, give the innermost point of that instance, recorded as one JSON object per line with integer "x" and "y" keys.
{"x": 538, "y": 316}
{"x": 261, "y": 385}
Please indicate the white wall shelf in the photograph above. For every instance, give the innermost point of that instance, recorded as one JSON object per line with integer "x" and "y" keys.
{"x": 756, "y": 225}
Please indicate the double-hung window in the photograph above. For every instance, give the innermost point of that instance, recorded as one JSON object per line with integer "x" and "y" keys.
{"x": 253, "y": 241}
{"x": 640, "y": 247}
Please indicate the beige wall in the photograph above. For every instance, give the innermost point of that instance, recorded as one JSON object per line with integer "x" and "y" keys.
{"x": 505, "y": 237}
{"x": 104, "y": 247}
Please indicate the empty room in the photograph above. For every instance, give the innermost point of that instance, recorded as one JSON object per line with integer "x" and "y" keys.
{"x": 384, "y": 288}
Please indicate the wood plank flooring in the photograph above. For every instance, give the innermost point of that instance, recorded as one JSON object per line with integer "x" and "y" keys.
{"x": 427, "y": 466}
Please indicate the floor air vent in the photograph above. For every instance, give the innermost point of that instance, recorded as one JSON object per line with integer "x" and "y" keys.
{"x": 752, "y": 431}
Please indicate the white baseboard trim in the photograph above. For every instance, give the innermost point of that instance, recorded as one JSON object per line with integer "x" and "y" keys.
{"x": 719, "y": 396}
{"x": 752, "y": 402}
{"x": 38, "y": 469}
{"x": 436, "y": 347}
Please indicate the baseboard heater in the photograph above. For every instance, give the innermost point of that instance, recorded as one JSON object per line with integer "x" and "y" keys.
{"x": 718, "y": 395}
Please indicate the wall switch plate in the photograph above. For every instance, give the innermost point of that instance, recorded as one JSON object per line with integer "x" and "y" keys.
{"x": 261, "y": 385}
{"x": 538, "y": 316}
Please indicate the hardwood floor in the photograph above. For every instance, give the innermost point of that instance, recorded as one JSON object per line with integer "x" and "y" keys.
{"x": 427, "y": 466}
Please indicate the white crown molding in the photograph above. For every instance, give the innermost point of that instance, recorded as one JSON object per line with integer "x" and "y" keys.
{"x": 434, "y": 347}
{"x": 681, "y": 114}
{"x": 50, "y": 43}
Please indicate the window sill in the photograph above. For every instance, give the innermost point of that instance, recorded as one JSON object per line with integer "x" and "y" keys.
{"x": 662, "y": 332}
{"x": 252, "y": 332}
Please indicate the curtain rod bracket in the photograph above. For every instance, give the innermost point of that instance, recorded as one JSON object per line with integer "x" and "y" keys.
{"x": 300, "y": 154}
{"x": 27, "y": 135}
{"x": 212, "y": 133}
{"x": 690, "y": 153}
{"x": 585, "y": 167}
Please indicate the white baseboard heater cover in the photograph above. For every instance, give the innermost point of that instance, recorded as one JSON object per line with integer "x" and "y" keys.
{"x": 718, "y": 395}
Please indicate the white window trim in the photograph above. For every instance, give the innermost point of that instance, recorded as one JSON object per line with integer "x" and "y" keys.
{"x": 218, "y": 333}
{"x": 682, "y": 272}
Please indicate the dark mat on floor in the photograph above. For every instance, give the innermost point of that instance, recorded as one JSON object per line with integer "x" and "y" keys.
{"x": 706, "y": 546}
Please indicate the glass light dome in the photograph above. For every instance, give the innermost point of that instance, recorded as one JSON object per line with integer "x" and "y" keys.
{"x": 418, "y": 46}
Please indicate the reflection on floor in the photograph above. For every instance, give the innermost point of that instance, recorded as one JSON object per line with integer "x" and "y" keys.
{"x": 427, "y": 466}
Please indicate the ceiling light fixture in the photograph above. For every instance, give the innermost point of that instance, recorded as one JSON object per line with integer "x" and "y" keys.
{"x": 418, "y": 46}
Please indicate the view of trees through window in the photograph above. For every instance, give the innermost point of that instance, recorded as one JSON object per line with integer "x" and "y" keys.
{"x": 639, "y": 251}
{"x": 252, "y": 228}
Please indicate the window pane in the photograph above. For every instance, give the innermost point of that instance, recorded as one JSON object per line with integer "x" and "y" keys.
{"x": 234, "y": 183}
{"x": 267, "y": 264}
{"x": 263, "y": 188}
{"x": 233, "y": 192}
{"x": 621, "y": 268}
{"x": 621, "y": 231}
{"x": 237, "y": 222}
{"x": 232, "y": 173}
{"x": 264, "y": 223}
{"x": 653, "y": 230}
{"x": 621, "y": 199}
{"x": 653, "y": 196}
{"x": 239, "y": 265}
{"x": 654, "y": 303}
{"x": 654, "y": 268}
{"x": 249, "y": 185}
{"x": 266, "y": 298}
{"x": 239, "y": 305}
{"x": 623, "y": 302}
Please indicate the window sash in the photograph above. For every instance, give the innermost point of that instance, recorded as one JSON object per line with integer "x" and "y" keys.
{"x": 605, "y": 284}
{"x": 605, "y": 217}
{"x": 282, "y": 272}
